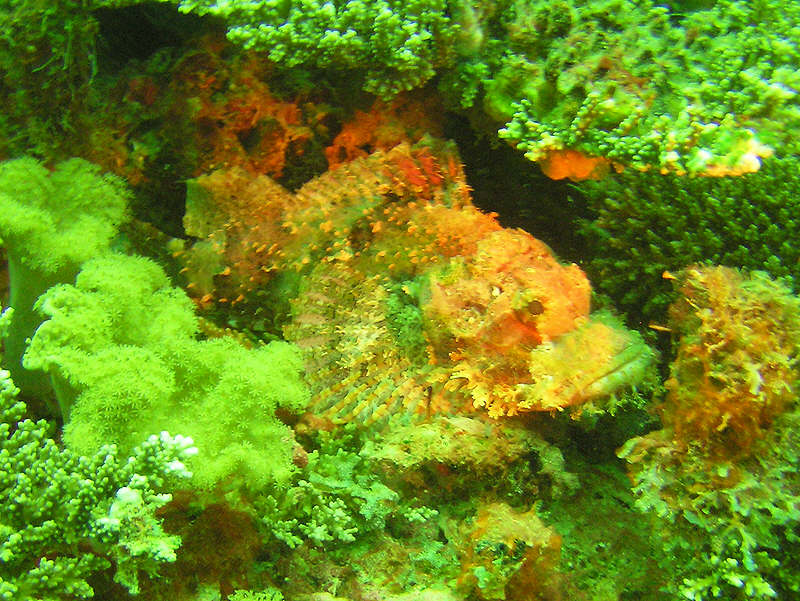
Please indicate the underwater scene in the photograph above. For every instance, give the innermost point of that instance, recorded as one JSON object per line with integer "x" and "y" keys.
{"x": 383, "y": 300}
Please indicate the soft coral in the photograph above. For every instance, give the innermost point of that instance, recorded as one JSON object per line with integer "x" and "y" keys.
{"x": 50, "y": 223}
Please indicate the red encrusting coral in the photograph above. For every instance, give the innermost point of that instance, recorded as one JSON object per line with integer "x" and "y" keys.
{"x": 243, "y": 123}
{"x": 408, "y": 118}
{"x": 566, "y": 163}
{"x": 207, "y": 109}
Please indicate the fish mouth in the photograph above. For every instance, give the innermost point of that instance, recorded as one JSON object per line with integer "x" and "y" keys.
{"x": 598, "y": 359}
{"x": 629, "y": 367}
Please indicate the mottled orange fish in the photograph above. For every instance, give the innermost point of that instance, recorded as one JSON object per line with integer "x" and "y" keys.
{"x": 410, "y": 299}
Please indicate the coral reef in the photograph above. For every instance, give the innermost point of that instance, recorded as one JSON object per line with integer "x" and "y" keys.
{"x": 615, "y": 81}
{"x": 612, "y": 81}
{"x": 359, "y": 520}
{"x": 183, "y": 114}
{"x": 392, "y": 392}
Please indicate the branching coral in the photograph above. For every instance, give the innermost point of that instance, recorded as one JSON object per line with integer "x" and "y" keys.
{"x": 399, "y": 45}
{"x": 337, "y": 499}
{"x": 65, "y": 517}
{"x": 266, "y": 595}
{"x": 634, "y": 236}
{"x": 631, "y": 83}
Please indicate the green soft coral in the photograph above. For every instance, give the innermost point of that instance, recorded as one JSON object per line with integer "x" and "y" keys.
{"x": 65, "y": 517}
{"x": 50, "y": 223}
{"x": 121, "y": 345}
